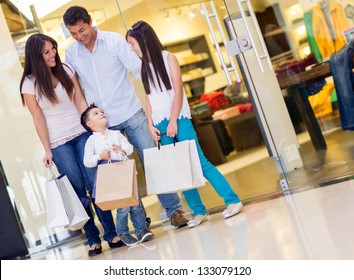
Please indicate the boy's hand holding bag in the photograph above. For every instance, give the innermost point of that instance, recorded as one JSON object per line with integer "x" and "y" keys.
{"x": 116, "y": 185}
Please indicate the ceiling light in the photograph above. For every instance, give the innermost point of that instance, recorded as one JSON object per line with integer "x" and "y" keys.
{"x": 191, "y": 14}
{"x": 167, "y": 16}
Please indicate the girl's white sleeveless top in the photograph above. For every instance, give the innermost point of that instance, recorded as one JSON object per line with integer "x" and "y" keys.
{"x": 161, "y": 101}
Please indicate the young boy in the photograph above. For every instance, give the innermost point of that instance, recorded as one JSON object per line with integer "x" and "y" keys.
{"x": 105, "y": 144}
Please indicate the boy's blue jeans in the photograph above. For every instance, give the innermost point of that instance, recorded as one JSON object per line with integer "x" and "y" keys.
{"x": 137, "y": 216}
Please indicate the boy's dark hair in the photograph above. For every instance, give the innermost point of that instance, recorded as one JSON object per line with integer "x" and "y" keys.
{"x": 151, "y": 49}
{"x": 85, "y": 117}
{"x": 75, "y": 14}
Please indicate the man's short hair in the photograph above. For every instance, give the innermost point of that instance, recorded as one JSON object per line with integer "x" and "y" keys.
{"x": 75, "y": 14}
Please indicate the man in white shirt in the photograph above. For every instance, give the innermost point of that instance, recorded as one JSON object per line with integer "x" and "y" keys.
{"x": 102, "y": 61}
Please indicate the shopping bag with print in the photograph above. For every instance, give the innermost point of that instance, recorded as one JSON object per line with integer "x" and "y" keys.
{"x": 173, "y": 168}
{"x": 116, "y": 185}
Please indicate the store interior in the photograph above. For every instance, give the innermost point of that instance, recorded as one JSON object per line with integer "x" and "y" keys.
{"x": 223, "y": 116}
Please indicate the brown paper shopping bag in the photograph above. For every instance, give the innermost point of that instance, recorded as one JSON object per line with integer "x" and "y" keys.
{"x": 116, "y": 185}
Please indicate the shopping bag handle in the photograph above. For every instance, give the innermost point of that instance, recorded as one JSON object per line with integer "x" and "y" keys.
{"x": 159, "y": 143}
{"x": 51, "y": 173}
{"x": 125, "y": 158}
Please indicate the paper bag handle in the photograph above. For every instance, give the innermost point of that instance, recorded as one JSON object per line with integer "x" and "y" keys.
{"x": 125, "y": 157}
{"x": 51, "y": 174}
{"x": 159, "y": 143}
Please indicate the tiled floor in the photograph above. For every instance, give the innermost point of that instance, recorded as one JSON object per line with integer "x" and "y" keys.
{"x": 316, "y": 224}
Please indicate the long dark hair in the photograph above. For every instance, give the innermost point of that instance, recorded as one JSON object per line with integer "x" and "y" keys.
{"x": 35, "y": 66}
{"x": 151, "y": 49}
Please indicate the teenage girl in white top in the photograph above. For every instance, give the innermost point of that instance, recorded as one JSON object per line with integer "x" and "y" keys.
{"x": 52, "y": 94}
{"x": 169, "y": 115}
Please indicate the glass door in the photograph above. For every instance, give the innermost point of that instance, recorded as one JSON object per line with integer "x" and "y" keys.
{"x": 21, "y": 150}
{"x": 273, "y": 46}
{"x": 226, "y": 114}
{"x": 246, "y": 43}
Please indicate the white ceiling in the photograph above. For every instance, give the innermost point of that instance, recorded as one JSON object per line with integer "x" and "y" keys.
{"x": 110, "y": 6}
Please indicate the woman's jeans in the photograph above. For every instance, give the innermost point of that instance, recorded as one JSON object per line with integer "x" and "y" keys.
{"x": 68, "y": 159}
{"x": 137, "y": 131}
{"x": 215, "y": 178}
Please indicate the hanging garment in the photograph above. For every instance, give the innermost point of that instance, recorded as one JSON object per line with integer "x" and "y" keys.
{"x": 341, "y": 64}
{"x": 311, "y": 37}
{"x": 326, "y": 44}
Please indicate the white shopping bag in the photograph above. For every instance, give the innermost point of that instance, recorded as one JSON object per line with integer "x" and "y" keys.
{"x": 59, "y": 193}
{"x": 56, "y": 214}
{"x": 173, "y": 168}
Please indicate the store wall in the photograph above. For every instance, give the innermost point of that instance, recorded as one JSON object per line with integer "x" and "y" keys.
{"x": 20, "y": 151}
{"x": 179, "y": 28}
{"x": 19, "y": 146}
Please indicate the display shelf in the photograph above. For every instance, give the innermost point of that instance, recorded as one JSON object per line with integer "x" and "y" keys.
{"x": 196, "y": 62}
{"x": 274, "y": 30}
{"x": 185, "y": 80}
{"x": 188, "y": 63}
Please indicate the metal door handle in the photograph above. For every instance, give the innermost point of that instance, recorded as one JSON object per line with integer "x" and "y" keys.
{"x": 265, "y": 54}
{"x": 226, "y": 69}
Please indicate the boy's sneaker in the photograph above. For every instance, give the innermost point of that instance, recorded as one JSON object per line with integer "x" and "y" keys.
{"x": 128, "y": 240}
{"x": 145, "y": 236}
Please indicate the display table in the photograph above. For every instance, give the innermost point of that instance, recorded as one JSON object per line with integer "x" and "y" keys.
{"x": 243, "y": 129}
{"x": 296, "y": 84}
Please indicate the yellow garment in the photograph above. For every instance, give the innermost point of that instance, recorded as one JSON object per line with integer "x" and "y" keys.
{"x": 321, "y": 102}
{"x": 322, "y": 33}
